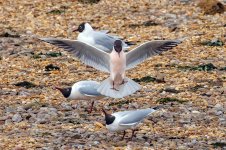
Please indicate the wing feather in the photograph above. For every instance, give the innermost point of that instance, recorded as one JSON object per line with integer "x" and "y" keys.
{"x": 148, "y": 49}
{"x": 86, "y": 53}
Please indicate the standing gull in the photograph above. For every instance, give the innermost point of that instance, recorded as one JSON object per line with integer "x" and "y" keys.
{"x": 115, "y": 63}
{"x": 98, "y": 39}
{"x": 121, "y": 121}
{"x": 82, "y": 90}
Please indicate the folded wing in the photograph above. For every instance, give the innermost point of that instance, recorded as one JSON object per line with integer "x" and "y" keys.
{"x": 89, "y": 91}
{"x": 86, "y": 53}
{"x": 148, "y": 49}
{"x": 134, "y": 117}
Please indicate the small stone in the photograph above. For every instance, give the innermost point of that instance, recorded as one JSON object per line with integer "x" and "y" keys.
{"x": 20, "y": 109}
{"x": 146, "y": 144}
{"x": 8, "y": 121}
{"x": 10, "y": 109}
{"x": 24, "y": 93}
{"x": 195, "y": 112}
{"x": 96, "y": 142}
{"x": 66, "y": 106}
{"x": 17, "y": 118}
{"x": 79, "y": 146}
{"x": 218, "y": 113}
{"x": 218, "y": 107}
{"x": 64, "y": 147}
{"x": 19, "y": 147}
{"x": 4, "y": 118}
{"x": 174, "y": 62}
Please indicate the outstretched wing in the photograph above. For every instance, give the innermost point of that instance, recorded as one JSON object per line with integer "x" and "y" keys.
{"x": 148, "y": 49}
{"x": 86, "y": 53}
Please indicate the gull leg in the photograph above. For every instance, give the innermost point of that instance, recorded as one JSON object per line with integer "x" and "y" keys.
{"x": 133, "y": 133}
{"x": 124, "y": 133}
{"x": 91, "y": 107}
{"x": 123, "y": 82}
{"x": 113, "y": 88}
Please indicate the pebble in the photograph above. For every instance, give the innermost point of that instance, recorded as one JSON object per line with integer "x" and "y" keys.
{"x": 4, "y": 118}
{"x": 20, "y": 109}
{"x": 96, "y": 142}
{"x": 218, "y": 107}
{"x": 17, "y": 118}
{"x": 10, "y": 110}
{"x": 146, "y": 144}
{"x": 24, "y": 93}
{"x": 19, "y": 147}
{"x": 66, "y": 106}
{"x": 46, "y": 115}
{"x": 8, "y": 121}
{"x": 218, "y": 113}
{"x": 195, "y": 112}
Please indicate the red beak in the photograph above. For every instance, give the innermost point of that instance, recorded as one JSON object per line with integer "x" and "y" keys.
{"x": 58, "y": 88}
{"x": 105, "y": 113}
{"x": 75, "y": 30}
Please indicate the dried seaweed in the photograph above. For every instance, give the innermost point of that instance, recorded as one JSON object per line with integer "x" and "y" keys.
{"x": 51, "y": 67}
{"x": 168, "y": 99}
{"x": 25, "y": 84}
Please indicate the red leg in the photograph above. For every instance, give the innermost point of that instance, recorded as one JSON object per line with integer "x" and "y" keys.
{"x": 113, "y": 88}
{"x": 123, "y": 82}
{"x": 91, "y": 107}
{"x": 133, "y": 133}
{"x": 124, "y": 133}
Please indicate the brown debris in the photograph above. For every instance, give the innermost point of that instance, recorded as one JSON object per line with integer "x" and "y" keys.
{"x": 211, "y": 7}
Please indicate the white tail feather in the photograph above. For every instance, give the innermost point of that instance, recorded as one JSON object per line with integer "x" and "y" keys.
{"x": 128, "y": 88}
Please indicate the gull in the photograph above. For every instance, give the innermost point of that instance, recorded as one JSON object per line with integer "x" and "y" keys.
{"x": 82, "y": 90}
{"x": 116, "y": 63}
{"x": 123, "y": 120}
{"x": 98, "y": 39}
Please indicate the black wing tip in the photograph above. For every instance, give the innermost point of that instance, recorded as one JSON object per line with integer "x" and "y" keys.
{"x": 48, "y": 40}
{"x": 130, "y": 43}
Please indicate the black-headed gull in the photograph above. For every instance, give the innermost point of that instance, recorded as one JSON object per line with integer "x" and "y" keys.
{"x": 121, "y": 121}
{"x": 98, "y": 39}
{"x": 115, "y": 63}
{"x": 82, "y": 90}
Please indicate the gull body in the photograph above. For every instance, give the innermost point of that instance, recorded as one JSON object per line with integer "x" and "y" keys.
{"x": 82, "y": 90}
{"x": 117, "y": 67}
{"x": 115, "y": 63}
{"x": 98, "y": 39}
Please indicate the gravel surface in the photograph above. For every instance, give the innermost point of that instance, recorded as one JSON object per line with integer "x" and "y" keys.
{"x": 188, "y": 81}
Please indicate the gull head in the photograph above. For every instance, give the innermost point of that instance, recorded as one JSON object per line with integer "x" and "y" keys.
{"x": 118, "y": 46}
{"x": 83, "y": 27}
{"x": 65, "y": 91}
{"x": 108, "y": 117}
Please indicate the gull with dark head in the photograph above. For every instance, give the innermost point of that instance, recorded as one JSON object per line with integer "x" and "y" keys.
{"x": 98, "y": 39}
{"x": 116, "y": 63}
{"x": 121, "y": 121}
{"x": 82, "y": 90}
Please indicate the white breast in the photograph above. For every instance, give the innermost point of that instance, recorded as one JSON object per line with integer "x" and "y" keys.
{"x": 76, "y": 95}
{"x": 117, "y": 64}
{"x": 85, "y": 38}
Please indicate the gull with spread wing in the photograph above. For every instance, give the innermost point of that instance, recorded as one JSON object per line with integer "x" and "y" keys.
{"x": 115, "y": 63}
